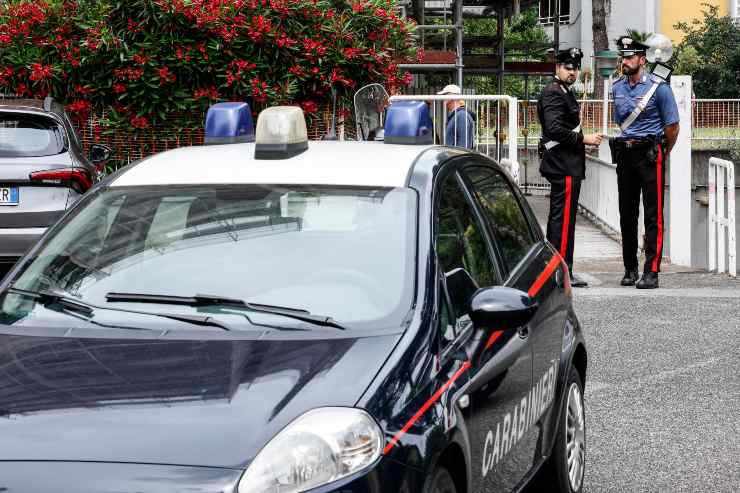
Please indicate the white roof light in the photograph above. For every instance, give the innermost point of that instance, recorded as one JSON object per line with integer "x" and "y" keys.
{"x": 281, "y": 133}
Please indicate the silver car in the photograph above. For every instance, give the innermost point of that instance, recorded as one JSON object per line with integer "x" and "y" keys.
{"x": 43, "y": 170}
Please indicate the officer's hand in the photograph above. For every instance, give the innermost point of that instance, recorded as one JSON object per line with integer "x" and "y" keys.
{"x": 593, "y": 139}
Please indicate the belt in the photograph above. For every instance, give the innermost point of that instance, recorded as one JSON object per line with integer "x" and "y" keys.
{"x": 552, "y": 143}
{"x": 636, "y": 143}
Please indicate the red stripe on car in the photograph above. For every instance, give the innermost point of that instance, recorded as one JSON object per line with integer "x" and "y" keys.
{"x": 426, "y": 406}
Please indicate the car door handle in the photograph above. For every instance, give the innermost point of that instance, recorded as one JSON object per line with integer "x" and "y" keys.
{"x": 523, "y": 331}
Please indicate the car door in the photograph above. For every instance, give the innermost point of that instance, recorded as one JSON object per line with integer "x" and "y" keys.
{"x": 533, "y": 267}
{"x": 501, "y": 369}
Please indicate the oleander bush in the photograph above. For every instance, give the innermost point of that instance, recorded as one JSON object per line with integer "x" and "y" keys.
{"x": 144, "y": 62}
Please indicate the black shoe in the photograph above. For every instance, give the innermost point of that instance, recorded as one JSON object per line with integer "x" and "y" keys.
{"x": 630, "y": 278}
{"x": 577, "y": 282}
{"x": 649, "y": 281}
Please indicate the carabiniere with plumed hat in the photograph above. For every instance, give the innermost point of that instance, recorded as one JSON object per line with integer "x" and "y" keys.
{"x": 647, "y": 114}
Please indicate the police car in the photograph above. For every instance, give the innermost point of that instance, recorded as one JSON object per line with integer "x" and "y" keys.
{"x": 279, "y": 316}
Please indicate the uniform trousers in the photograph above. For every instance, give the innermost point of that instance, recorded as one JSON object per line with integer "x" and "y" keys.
{"x": 561, "y": 222}
{"x": 641, "y": 170}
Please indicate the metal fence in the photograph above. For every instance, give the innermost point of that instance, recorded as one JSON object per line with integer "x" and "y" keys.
{"x": 495, "y": 120}
{"x": 713, "y": 120}
{"x": 715, "y": 125}
{"x": 721, "y": 217}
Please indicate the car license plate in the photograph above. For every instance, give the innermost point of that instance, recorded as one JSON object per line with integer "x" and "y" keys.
{"x": 8, "y": 195}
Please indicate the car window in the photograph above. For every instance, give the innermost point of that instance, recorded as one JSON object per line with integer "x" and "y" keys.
{"x": 461, "y": 246}
{"x": 446, "y": 318}
{"x": 74, "y": 136}
{"x": 343, "y": 252}
{"x": 503, "y": 213}
{"x": 23, "y": 135}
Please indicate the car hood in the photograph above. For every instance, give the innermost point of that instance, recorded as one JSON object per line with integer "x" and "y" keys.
{"x": 183, "y": 402}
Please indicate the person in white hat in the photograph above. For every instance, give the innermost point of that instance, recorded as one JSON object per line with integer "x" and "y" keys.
{"x": 460, "y": 130}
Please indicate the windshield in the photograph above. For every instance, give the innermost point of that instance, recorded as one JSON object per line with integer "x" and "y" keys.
{"x": 24, "y": 135}
{"x": 345, "y": 253}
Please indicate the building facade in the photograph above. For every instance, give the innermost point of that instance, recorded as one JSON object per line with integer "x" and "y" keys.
{"x": 575, "y": 28}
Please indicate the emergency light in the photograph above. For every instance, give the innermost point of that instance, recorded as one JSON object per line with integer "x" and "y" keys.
{"x": 281, "y": 133}
{"x": 408, "y": 122}
{"x": 229, "y": 123}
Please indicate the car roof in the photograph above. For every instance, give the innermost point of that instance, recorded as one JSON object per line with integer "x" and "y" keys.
{"x": 34, "y": 106}
{"x": 324, "y": 163}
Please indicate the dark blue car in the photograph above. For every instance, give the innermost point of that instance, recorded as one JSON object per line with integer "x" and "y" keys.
{"x": 350, "y": 317}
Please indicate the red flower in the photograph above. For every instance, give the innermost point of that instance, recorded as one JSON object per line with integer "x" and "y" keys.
{"x": 297, "y": 70}
{"x": 129, "y": 73}
{"x": 166, "y": 76}
{"x": 80, "y": 108}
{"x": 141, "y": 59}
{"x": 259, "y": 90}
{"x": 133, "y": 26}
{"x": 309, "y": 107}
{"x": 286, "y": 42}
{"x": 139, "y": 122}
{"x": 5, "y": 39}
{"x": 336, "y": 76}
{"x": 40, "y": 72}
{"x": 83, "y": 89}
{"x": 350, "y": 53}
{"x": 206, "y": 93}
{"x": 119, "y": 88}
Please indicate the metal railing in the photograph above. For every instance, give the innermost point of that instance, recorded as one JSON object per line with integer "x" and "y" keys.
{"x": 716, "y": 120}
{"x": 721, "y": 241}
{"x": 495, "y": 120}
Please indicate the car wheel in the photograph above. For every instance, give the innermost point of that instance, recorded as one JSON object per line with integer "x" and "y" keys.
{"x": 568, "y": 459}
{"x": 441, "y": 482}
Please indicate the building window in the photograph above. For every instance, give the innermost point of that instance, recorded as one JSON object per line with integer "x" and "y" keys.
{"x": 548, "y": 9}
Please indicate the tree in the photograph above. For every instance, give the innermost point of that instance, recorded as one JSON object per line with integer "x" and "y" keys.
{"x": 710, "y": 53}
{"x": 599, "y": 12}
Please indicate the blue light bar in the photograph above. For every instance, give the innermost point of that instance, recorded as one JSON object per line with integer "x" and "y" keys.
{"x": 229, "y": 123}
{"x": 408, "y": 122}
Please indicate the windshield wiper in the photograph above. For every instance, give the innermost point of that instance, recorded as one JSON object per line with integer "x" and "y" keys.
{"x": 49, "y": 298}
{"x": 209, "y": 300}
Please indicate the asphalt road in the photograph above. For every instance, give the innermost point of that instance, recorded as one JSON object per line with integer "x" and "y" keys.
{"x": 663, "y": 388}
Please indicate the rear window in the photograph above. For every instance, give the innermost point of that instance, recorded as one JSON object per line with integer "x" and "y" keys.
{"x": 23, "y": 135}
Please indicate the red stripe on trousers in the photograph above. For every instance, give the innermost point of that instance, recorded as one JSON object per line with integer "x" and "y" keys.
{"x": 426, "y": 406}
{"x": 659, "y": 242}
{"x": 566, "y": 216}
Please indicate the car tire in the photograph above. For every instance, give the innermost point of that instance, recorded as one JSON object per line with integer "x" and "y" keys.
{"x": 441, "y": 482}
{"x": 568, "y": 458}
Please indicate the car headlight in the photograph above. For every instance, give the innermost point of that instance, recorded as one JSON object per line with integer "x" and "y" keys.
{"x": 319, "y": 447}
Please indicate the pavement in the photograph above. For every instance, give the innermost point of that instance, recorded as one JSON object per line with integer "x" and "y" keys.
{"x": 663, "y": 382}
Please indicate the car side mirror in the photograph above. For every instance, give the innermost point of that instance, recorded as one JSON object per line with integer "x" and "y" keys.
{"x": 99, "y": 153}
{"x": 502, "y": 308}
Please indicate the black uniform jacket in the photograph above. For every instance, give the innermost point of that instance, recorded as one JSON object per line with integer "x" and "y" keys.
{"x": 558, "y": 112}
